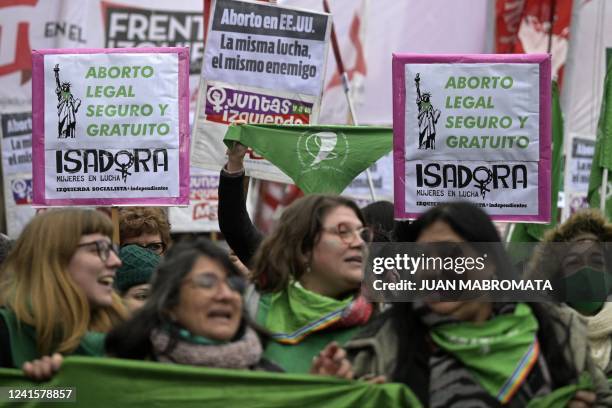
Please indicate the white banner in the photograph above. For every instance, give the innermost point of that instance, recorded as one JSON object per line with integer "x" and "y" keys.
{"x": 263, "y": 64}
{"x": 201, "y": 215}
{"x": 113, "y": 127}
{"x": 16, "y": 136}
{"x": 474, "y": 128}
{"x": 577, "y": 173}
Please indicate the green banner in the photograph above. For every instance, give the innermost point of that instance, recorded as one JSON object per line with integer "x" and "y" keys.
{"x": 602, "y": 159}
{"x": 319, "y": 159}
{"x": 535, "y": 232}
{"x": 104, "y": 382}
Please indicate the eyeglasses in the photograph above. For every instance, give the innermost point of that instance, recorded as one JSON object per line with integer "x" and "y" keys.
{"x": 211, "y": 281}
{"x": 157, "y": 247}
{"x": 103, "y": 248}
{"x": 347, "y": 233}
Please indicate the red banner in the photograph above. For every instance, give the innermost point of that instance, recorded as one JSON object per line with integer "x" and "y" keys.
{"x": 524, "y": 26}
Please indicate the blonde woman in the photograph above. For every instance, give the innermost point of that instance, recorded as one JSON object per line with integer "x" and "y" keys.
{"x": 56, "y": 291}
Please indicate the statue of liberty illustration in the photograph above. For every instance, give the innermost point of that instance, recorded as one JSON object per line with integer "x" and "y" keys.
{"x": 428, "y": 117}
{"x": 67, "y": 107}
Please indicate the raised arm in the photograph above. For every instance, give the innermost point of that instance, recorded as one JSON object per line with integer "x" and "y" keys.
{"x": 57, "y": 81}
{"x": 234, "y": 221}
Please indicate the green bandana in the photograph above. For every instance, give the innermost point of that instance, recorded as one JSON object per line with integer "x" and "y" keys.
{"x": 298, "y": 318}
{"x": 295, "y": 312}
{"x": 189, "y": 337}
{"x": 499, "y": 353}
{"x": 319, "y": 159}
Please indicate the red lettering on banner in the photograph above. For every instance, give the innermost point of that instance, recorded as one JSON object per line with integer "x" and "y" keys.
{"x": 23, "y": 53}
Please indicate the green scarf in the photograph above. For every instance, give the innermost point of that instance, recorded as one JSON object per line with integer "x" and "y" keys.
{"x": 499, "y": 353}
{"x": 297, "y": 318}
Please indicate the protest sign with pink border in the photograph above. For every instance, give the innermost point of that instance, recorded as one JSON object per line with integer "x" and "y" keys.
{"x": 110, "y": 126}
{"x": 475, "y": 128}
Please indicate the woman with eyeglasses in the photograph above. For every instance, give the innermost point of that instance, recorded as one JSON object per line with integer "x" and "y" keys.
{"x": 147, "y": 227}
{"x": 309, "y": 273}
{"x": 56, "y": 290}
{"x": 194, "y": 314}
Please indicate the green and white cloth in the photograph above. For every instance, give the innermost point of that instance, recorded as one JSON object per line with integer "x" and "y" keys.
{"x": 319, "y": 159}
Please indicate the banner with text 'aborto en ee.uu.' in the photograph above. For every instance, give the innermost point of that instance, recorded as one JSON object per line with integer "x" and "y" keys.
{"x": 110, "y": 126}
{"x": 264, "y": 64}
{"x": 475, "y": 128}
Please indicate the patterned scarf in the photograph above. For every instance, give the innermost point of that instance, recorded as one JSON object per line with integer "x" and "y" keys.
{"x": 241, "y": 354}
{"x": 295, "y": 313}
{"x": 497, "y": 362}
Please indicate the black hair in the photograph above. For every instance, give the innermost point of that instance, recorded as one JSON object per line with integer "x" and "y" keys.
{"x": 414, "y": 349}
{"x": 131, "y": 339}
{"x": 379, "y": 216}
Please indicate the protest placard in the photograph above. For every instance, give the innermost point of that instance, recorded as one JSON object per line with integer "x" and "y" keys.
{"x": 111, "y": 126}
{"x": 16, "y": 145}
{"x": 201, "y": 215}
{"x": 262, "y": 64}
{"x": 577, "y": 172}
{"x": 476, "y": 128}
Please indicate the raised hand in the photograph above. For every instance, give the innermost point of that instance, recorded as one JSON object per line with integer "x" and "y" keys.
{"x": 332, "y": 361}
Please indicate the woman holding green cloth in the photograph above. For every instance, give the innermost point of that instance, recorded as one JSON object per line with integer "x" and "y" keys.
{"x": 577, "y": 257}
{"x": 56, "y": 291}
{"x": 309, "y": 273}
{"x": 472, "y": 353}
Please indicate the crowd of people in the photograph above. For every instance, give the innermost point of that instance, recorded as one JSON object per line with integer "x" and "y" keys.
{"x": 293, "y": 301}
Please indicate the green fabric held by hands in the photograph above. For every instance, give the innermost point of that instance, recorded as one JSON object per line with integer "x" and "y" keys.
{"x": 491, "y": 350}
{"x": 319, "y": 159}
{"x": 103, "y": 382}
{"x": 560, "y": 397}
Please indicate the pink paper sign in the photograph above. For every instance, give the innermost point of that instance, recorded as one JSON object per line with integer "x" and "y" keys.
{"x": 110, "y": 126}
{"x": 475, "y": 128}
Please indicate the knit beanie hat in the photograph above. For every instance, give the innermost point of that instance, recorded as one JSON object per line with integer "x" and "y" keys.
{"x": 138, "y": 265}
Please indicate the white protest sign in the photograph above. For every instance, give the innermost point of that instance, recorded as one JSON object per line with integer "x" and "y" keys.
{"x": 17, "y": 170}
{"x": 110, "y": 126}
{"x": 201, "y": 215}
{"x": 262, "y": 64}
{"x": 475, "y": 128}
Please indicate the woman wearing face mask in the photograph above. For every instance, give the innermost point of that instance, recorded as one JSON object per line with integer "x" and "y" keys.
{"x": 436, "y": 348}
{"x": 56, "y": 289}
{"x": 309, "y": 272}
{"x": 134, "y": 276}
{"x": 575, "y": 258}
